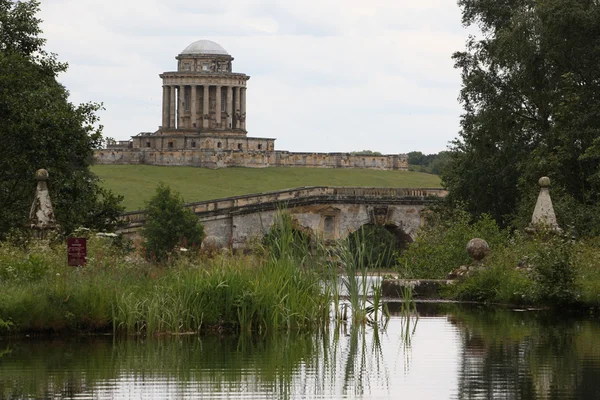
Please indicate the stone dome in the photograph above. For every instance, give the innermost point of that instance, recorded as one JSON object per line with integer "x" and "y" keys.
{"x": 205, "y": 47}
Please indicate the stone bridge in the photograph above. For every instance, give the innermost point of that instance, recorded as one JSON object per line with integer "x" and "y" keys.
{"x": 328, "y": 212}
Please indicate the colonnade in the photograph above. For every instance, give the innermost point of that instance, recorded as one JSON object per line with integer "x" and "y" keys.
{"x": 181, "y": 101}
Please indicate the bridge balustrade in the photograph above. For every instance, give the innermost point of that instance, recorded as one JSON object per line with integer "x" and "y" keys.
{"x": 137, "y": 218}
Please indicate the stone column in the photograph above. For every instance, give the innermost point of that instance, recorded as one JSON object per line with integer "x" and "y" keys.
{"x": 229, "y": 107}
{"x": 194, "y": 123}
{"x": 205, "y": 110}
{"x": 165, "y": 106}
{"x": 218, "y": 108}
{"x": 172, "y": 107}
{"x": 181, "y": 107}
{"x": 237, "y": 107}
{"x": 243, "y": 107}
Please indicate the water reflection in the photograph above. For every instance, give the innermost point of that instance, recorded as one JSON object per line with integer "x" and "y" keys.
{"x": 527, "y": 355}
{"x": 451, "y": 352}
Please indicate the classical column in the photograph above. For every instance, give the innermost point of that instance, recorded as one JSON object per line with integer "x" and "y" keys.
{"x": 165, "y": 107}
{"x": 237, "y": 107}
{"x": 218, "y": 107}
{"x": 243, "y": 107}
{"x": 205, "y": 110}
{"x": 194, "y": 123}
{"x": 181, "y": 107}
{"x": 172, "y": 107}
{"x": 229, "y": 107}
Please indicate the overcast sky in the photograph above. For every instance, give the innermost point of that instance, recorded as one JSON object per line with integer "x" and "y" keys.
{"x": 326, "y": 75}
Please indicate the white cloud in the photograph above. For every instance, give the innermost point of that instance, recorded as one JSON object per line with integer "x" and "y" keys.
{"x": 327, "y": 75}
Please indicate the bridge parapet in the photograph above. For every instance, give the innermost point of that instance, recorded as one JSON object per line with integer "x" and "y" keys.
{"x": 296, "y": 197}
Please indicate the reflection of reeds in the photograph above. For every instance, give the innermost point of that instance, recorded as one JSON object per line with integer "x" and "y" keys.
{"x": 408, "y": 311}
{"x": 361, "y": 358}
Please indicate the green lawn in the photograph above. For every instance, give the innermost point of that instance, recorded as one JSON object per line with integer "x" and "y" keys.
{"x": 137, "y": 182}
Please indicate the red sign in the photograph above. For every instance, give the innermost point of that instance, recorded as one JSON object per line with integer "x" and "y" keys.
{"x": 76, "y": 251}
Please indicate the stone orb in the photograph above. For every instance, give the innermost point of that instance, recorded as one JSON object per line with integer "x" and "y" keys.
{"x": 212, "y": 244}
{"x": 477, "y": 249}
{"x": 41, "y": 175}
{"x": 544, "y": 182}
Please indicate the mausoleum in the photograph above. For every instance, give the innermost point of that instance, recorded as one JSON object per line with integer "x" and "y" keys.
{"x": 204, "y": 124}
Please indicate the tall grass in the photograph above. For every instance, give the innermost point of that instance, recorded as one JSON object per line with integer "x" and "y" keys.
{"x": 290, "y": 284}
{"x": 231, "y": 293}
{"x": 364, "y": 300}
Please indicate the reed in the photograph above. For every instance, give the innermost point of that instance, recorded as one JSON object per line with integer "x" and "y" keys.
{"x": 364, "y": 300}
{"x": 130, "y": 296}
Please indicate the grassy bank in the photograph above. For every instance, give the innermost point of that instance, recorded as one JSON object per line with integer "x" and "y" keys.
{"x": 138, "y": 182}
{"x": 288, "y": 283}
{"x": 123, "y": 293}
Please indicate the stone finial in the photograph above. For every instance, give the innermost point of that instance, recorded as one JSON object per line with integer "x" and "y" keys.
{"x": 544, "y": 182}
{"x": 41, "y": 175}
{"x": 477, "y": 249}
{"x": 41, "y": 216}
{"x": 543, "y": 214}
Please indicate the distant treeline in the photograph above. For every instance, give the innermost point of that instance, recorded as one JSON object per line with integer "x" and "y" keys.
{"x": 429, "y": 163}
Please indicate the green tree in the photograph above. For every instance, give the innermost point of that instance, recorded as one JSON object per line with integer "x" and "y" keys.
{"x": 365, "y": 153}
{"x": 430, "y": 163}
{"x": 169, "y": 225}
{"x": 41, "y": 129}
{"x": 530, "y": 95}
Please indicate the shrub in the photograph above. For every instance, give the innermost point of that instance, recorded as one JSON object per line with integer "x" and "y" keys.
{"x": 553, "y": 272}
{"x": 441, "y": 244}
{"x": 169, "y": 225}
{"x": 496, "y": 284}
{"x": 548, "y": 273}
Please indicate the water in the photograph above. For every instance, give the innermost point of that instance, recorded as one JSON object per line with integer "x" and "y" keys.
{"x": 451, "y": 352}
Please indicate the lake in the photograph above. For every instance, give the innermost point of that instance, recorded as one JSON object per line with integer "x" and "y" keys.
{"x": 449, "y": 352}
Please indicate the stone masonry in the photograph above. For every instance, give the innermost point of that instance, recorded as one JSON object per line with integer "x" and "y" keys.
{"x": 204, "y": 124}
{"x": 331, "y": 213}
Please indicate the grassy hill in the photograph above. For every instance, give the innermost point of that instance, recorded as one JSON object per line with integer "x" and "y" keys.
{"x": 138, "y": 182}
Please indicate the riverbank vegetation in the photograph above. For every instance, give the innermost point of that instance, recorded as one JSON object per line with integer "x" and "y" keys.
{"x": 122, "y": 292}
{"x": 538, "y": 269}
{"x": 287, "y": 283}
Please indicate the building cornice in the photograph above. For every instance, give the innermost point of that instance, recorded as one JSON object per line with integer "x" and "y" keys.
{"x": 193, "y": 74}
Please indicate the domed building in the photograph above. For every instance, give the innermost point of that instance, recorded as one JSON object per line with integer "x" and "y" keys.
{"x": 204, "y": 124}
{"x": 203, "y": 104}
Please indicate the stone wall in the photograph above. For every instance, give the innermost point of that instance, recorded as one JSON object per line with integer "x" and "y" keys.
{"x": 199, "y": 142}
{"x": 341, "y": 160}
{"x": 230, "y": 157}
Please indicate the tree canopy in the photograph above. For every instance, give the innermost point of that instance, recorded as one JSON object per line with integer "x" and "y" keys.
{"x": 41, "y": 129}
{"x": 429, "y": 163}
{"x": 531, "y": 103}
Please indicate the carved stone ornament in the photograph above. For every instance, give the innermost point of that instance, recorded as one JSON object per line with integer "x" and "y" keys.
{"x": 41, "y": 215}
{"x": 379, "y": 215}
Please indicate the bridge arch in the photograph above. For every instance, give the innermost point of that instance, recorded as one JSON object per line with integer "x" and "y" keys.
{"x": 402, "y": 233}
